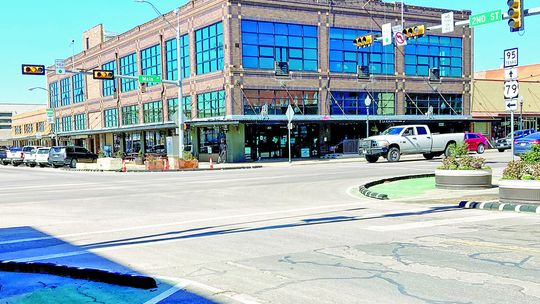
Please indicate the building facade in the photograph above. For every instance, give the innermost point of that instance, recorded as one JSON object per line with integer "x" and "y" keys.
{"x": 32, "y": 129}
{"x": 488, "y": 101}
{"x": 232, "y": 91}
{"x": 7, "y": 113}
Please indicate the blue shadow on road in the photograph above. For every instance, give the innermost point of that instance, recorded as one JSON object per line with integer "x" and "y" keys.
{"x": 26, "y": 244}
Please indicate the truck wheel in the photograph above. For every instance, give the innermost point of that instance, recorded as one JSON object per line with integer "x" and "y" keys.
{"x": 480, "y": 149}
{"x": 428, "y": 156}
{"x": 393, "y": 155}
{"x": 42, "y": 165}
{"x": 501, "y": 150}
{"x": 73, "y": 163}
{"x": 447, "y": 152}
{"x": 372, "y": 158}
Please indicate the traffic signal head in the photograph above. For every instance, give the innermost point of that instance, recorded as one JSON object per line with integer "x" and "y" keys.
{"x": 515, "y": 14}
{"x": 364, "y": 41}
{"x": 415, "y": 32}
{"x": 33, "y": 69}
{"x": 104, "y": 74}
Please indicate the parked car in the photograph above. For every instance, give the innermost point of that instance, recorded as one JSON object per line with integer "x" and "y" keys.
{"x": 42, "y": 157}
{"x": 477, "y": 142}
{"x": 411, "y": 139}
{"x": 29, "y": 155}
{"x": 3, "y": 155}
{"x": 525, "y": 144}
{"x": 503, "y": 144}
{"x": 15, "y": 156}
{"x": 61, "y": 156}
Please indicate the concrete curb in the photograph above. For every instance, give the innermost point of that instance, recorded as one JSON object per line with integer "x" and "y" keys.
{"x": 164, "y": 171}
{"x": 96, "y": 275}
{"x": 498, "y": 206}
{"x": 364, "y": 189}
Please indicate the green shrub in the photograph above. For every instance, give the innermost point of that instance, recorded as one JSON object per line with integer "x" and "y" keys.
{"x": 463, "y": 163}
{"x": 514, "y": 170}
{"x": 459, "y": 150}
{"x": 532, "y": 156}
{"x": 527, "y": 177}
{"x": 535, "y": 170}
{"x": 187, "y": 156}
{"x": 101, "y": 154}
{"x": 120, "y": 154}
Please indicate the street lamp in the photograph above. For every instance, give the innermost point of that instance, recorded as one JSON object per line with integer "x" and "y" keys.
{"x": 180, "y": 109}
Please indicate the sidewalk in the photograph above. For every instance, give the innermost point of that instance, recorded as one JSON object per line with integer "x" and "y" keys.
{"x": 283, "y": 162}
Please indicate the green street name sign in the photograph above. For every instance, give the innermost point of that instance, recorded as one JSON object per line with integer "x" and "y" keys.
{"x": 485, "y": 18}
{"x": 50, "y": 112}
{"x": 148, "y": 78}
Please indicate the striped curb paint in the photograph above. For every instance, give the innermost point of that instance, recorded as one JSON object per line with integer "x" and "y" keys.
{"x": 90, "y": 274}
{"x": 364, "y": 189}
{"x": 173, "y": 170}
{"x": 514, "y": 207}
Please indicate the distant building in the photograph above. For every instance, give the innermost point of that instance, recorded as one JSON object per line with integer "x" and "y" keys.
{"x": 32, "y": 129}
{"x": 488, "y": 101}
{"x": 7, "y": 111}
{"x": 233, "y": 91}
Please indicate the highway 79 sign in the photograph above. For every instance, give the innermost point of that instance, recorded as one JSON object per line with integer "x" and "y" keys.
{"x": 511, "y": 89}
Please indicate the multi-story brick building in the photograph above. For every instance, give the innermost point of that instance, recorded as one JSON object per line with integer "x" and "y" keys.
{"x": 230, "y": 88}
{"x": 32, "y": 129}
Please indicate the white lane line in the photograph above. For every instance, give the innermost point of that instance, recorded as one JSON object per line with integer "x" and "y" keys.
{"x": 47, "y": 186}
{"x": 444, "y": 222}
{"x": 238, "y": 297}
{"x": 228, "y": 217}
{"x": 167, "y": 293}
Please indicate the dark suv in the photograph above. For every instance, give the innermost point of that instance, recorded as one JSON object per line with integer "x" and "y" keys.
{"x": 61, "y": 155}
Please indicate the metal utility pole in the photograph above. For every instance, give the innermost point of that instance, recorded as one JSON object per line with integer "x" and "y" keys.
{"x": 512, "y": 132}
{"x": 367, "y": 102}
{"x": 521, "y": 113}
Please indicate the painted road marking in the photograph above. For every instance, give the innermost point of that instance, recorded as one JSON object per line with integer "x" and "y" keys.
{"x": 444, "y": 222}
{"x": 167, "y": 293}
{"x": 495, "y": 246}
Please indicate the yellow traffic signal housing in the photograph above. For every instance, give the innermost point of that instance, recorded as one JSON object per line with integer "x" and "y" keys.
{"x": 364, "y": 41}
{"x": 515, "y": 13}
{"x": 33, "y": 69}
{"x": 415, "y": 32}
{"x": 104, "y": 74}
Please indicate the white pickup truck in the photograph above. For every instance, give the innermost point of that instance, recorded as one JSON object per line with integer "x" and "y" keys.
{"x": 411, "y": 139}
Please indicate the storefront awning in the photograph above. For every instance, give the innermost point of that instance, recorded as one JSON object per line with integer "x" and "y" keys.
{"x": 133, "y": 128}
{"x": 235, "y": 119}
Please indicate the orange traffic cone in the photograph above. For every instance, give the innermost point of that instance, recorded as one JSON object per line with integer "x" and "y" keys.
{"x": 124, "y": 169}
{"x": 167, "y": 167}
{"x": 211, "y": 164}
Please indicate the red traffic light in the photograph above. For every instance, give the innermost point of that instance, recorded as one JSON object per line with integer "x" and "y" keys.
{"x": 103, "y": 74}
{"x": 33, "y": 69}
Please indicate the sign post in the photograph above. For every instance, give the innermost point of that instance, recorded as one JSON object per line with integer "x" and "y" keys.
{"x": 511, "y": 58}
{"x": 400, "y": 39}
{"x": 290, "y": 115}
{"x": 386, "y": 34}
{"x": 367, "y": 102}
{"x": 485, "y": 18}
{"x": 59, "y": 66}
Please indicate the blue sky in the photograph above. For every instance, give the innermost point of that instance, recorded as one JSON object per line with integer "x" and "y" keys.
{"x": 40, "y": 31}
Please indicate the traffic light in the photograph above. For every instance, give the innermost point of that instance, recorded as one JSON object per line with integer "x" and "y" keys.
{"x": 104, "y": 74}
{"x": 415, "y": 32}
{"x": 33, "y": 69}
{"x": 363, "y": 41}
{"x": 515, "y": 13}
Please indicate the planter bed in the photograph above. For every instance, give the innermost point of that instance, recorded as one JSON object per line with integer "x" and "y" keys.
{"x": 519, "y": 191}
{"x": 463, "y": 179}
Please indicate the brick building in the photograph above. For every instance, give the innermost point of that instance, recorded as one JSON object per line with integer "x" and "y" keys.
{"x": 229, "y": 52}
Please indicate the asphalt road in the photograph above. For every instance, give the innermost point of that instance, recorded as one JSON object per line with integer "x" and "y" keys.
{"x": 274, "y": 235}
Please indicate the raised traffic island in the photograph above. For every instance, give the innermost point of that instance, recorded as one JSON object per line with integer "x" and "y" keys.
{"x": 521, "y": 179}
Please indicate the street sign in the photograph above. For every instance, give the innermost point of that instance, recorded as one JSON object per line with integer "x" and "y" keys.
{"x": 39, "y": 135}
{"x": 289, "y": 113}
{"x": 511, "y": 73}
{"x": 511, "y": 105}
{"x": 59, "y": 66}
{"x": 386, "y": 34}
{"x": 511, "y": 89}
{"x": 149, "y": 78}
{"x": 447, "y": 21}
{"x": 485, "y": 18}
{"x": 400, "y": 39}
{"x": 397, "y": 28}
{"x": 50, "y": 115}
{"x": 511, "y": 58}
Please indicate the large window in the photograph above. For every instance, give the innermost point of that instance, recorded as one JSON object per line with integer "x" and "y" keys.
{"x": 53, "y": 94}
{"x": 209, "y": 140}
{"x": 353, "y": 103}
{"x": 428, "y": 52}
{"x": 276, "y": 102}
{"x": 111, "y": 117}
{"x": 66, "y": 123}
{"x": 41, "y": 126}
{"x": 57, "y": 125}
{"x": 128, "y": 67}
{"x": 153, "y": 112}
{"x": 130, "y": 115}
{"x": 172, "y": 106}
{"x": 151, "y": 62}
{"x": 211, "y": 104}
{"x": 109, "y": 86}
{"x": 80, "y": 122}
{"x": 78, "y": 88}
{"x": 65, "y": 86}
{"x": 263, "y": 43}
{"x": 209, "y": 48}
{"x": 172, "y": 64}
{"x": 345, "y": 56}
{"x": 445, "y": 104}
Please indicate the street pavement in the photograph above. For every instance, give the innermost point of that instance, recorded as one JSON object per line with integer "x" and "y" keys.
{"x": 278, "y": 234}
